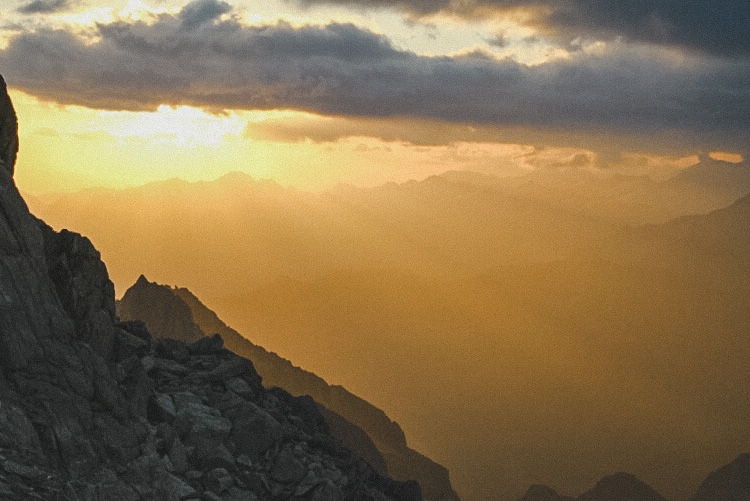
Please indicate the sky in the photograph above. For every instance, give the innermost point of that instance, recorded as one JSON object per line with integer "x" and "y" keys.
{"x": 312, "y": 93}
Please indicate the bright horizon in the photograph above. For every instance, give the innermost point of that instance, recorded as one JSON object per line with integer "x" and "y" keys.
{"x": 581, "y": 312}
{"x": 315, "y": 93}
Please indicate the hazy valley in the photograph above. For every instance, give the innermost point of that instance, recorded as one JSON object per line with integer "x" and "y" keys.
{"x": 524, "y": 330}
{"x": 374, "y": 250}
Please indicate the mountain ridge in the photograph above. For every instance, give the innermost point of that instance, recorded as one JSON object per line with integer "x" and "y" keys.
{"x": 93, "y": 409}
{"x": 148, "y": 302}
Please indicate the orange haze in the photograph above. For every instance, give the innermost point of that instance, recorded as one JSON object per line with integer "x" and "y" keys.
{"x": 524, "y": 330}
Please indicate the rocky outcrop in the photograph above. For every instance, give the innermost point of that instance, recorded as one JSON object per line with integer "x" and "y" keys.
{"x": 8, "y": 130}
{"x": 165, "y": 314}
{"x": 353, "y": 420}
{"x": 729, "y": 483}
{"x": 94, "y": 409}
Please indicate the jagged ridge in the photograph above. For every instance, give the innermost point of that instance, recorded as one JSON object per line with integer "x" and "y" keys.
{"x": 93, "y": 409}
{"x": 140, "y": 302}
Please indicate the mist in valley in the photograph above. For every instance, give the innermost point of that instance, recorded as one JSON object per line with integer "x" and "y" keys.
{"x": 551, "y": 328}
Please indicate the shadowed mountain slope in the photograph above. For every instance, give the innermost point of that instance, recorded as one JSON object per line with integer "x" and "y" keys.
{"x": 731, "y": 482}
{"x": 621, "y": 487}
{"x": 717, "y": 243}
{"x": 348, "y": 415}
{"x": 94, "y": 409}
{"x": 534, "y": 356}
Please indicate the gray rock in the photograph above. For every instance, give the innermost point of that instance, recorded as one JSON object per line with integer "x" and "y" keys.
{"x": 239, "y": 386}
{"x": 117, "y": 491}
{"x": 207, "y": 345}
{"x": 287, "y": 469}
{"x": 172, "y": 488}
{"x": 237, "y": 494}
{"x": 218, "y": 480}
{"x": 327, "y": 491}
{"x": 178, "y": 456}
{"x": 16, "y": 430}
{"x": 207, "y": 455}
{"x": 254, "y": 431}
{"x": 170, "y": 366}
{"x": 235, "y": 366}
{"x": 203, "y": 422}
{"x": 161, "y": 408}
{"x": 82, "y": 284}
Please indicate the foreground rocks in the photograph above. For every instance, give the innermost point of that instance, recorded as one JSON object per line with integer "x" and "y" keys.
{"x": 177, "y": 313}
{"x": 94, "y": 409}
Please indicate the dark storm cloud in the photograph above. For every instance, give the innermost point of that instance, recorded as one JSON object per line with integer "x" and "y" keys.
{"x": 44, "y": 6}
{"x": 716, "y": 27}
{"x": 343, "y": 70}
{"x": 202, "y": 11}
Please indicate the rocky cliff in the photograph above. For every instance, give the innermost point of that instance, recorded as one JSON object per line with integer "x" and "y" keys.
{"x": 95, "y": 409}
{"x": 353, "y": 420}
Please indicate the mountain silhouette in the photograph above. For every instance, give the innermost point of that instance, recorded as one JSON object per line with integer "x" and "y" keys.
{"x": 731, "y": 482}
{"x": 621, "y": 487}
{"x": 356, "y": 422}
{"x": 92, "y": 408}
{"x": 547, "y": 328}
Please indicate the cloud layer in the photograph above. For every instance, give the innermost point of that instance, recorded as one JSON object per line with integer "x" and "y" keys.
{"x": 717, "y": 27}
{"x": 205, "y": 58}
{"x": 44, "y": 6}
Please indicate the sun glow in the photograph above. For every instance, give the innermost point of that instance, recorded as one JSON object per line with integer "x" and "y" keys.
{"x": 182, "y": 126}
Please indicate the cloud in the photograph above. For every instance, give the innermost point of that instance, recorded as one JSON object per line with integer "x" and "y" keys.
{"x": 202, "y": 11}
{"x": 44, "y": 6}
{"x": 343, "y": 70}
{"x": 718, "y": 27}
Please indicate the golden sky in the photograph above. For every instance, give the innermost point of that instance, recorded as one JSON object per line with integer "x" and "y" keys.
{"x": 312, "y": 93}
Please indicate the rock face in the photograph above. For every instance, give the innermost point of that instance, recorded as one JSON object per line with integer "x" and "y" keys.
{"x": 8, "y": 130}
{"x": 351, "y": 419}
{"x": 94, "y": 409}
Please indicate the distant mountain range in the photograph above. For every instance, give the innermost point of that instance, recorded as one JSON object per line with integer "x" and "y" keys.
{"x": 459, "y": 223}
{"x": 729, "y": 483}
{"x": 517, "y": 324}
{"x": 717, "y": 243}
{"x": 552, "y": 328}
